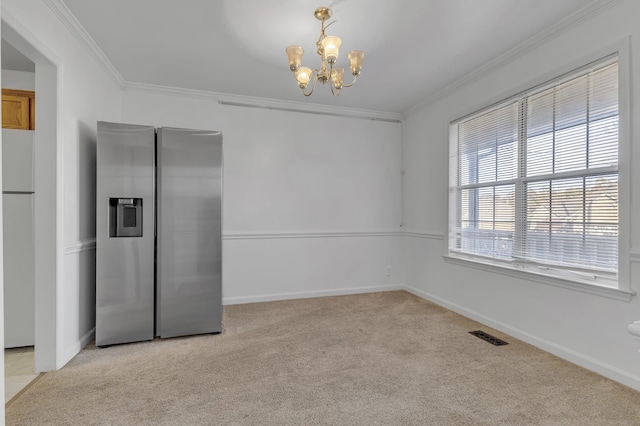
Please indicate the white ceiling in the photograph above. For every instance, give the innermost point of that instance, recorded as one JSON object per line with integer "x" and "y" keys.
{"x": 414, "y": 48}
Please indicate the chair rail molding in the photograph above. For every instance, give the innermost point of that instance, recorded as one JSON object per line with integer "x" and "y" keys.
{"x": 234, "y": 235}
{"x": 415, "y": 233}
{"x": 80, "y": 246}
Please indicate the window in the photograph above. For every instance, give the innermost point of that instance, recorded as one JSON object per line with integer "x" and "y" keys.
{"x": 534, "y": 180}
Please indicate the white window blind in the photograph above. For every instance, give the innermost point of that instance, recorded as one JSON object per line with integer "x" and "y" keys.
{"x": 534, "y": 179}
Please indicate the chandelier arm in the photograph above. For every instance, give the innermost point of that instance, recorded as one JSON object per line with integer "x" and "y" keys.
{"x": 313, "y": 86}
{"x": 335, "y": 93}
{"x": 355, "y": 78}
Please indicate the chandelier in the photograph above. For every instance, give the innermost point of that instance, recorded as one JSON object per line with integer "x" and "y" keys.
{"x": 327, "y": 48}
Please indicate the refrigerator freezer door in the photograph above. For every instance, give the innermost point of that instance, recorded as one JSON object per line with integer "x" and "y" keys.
{"x": 189, "y": 249}
{"x": 124, "y": 265}
{"x": 17, "y": 160}
{"x": 19, "y": 270}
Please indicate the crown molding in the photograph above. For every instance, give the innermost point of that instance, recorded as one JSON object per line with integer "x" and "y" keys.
{"x": 256, "y": 102}
{"x": 79, "y": 33}
{"x": 584, "y": 14}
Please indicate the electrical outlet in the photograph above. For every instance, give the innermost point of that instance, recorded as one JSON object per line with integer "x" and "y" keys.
{"x": 388, "y": 270}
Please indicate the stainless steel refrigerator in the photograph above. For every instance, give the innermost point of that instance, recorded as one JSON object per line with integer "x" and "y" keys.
{"x": 18, "y": 191}
{"x": 158, "y": 233}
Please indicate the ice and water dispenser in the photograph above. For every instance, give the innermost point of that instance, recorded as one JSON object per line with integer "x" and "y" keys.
{"x": 125, "y": 217}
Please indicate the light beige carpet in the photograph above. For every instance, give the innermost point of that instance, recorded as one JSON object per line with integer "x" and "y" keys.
{"x": 373, "y": 359}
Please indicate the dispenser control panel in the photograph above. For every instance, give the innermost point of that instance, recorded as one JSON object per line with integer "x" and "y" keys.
{"x": 125, "y": 217}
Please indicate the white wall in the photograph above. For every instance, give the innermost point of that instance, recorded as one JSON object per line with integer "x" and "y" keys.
{"x": 312, "y": 202}
{"x": 584, "y": 328}
{"x": 20, "y": 80}
{"x": 81, "y": 93}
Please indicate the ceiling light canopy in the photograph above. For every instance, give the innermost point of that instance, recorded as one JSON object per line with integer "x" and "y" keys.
{"x": 327, "y": 48}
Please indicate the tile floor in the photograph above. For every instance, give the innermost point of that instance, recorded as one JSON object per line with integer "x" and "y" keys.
{"x": 18, "y": 370}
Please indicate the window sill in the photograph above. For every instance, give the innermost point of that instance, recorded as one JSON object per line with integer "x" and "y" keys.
{"x": 584, "y": 286}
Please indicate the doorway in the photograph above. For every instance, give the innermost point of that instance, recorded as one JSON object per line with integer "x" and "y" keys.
{"x": 18, "y": 192}
{"x": 47, "y": 220}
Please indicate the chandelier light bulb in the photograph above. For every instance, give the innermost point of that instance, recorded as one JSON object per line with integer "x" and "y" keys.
{"x": 303, "y": 75}
{"x": 330, "y": 46}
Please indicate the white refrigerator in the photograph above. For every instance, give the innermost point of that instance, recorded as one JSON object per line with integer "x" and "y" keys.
{"x": 18, "y": 226}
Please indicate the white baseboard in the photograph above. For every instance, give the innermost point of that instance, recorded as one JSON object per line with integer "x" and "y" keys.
{"x": 88, "y": 338}
{"x": 567, "y": 354}
{"x": 75, "y": 349}
{"x": 309, "y": 294}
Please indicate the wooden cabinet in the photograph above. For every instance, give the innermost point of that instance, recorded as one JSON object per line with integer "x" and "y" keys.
{"x": 18, "y": 109}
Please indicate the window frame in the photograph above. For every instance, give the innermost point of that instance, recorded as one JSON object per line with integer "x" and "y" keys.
{"x": 618, "y": 287}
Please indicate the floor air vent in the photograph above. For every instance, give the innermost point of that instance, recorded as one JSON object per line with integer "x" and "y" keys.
{"x": 488, "y": 338}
